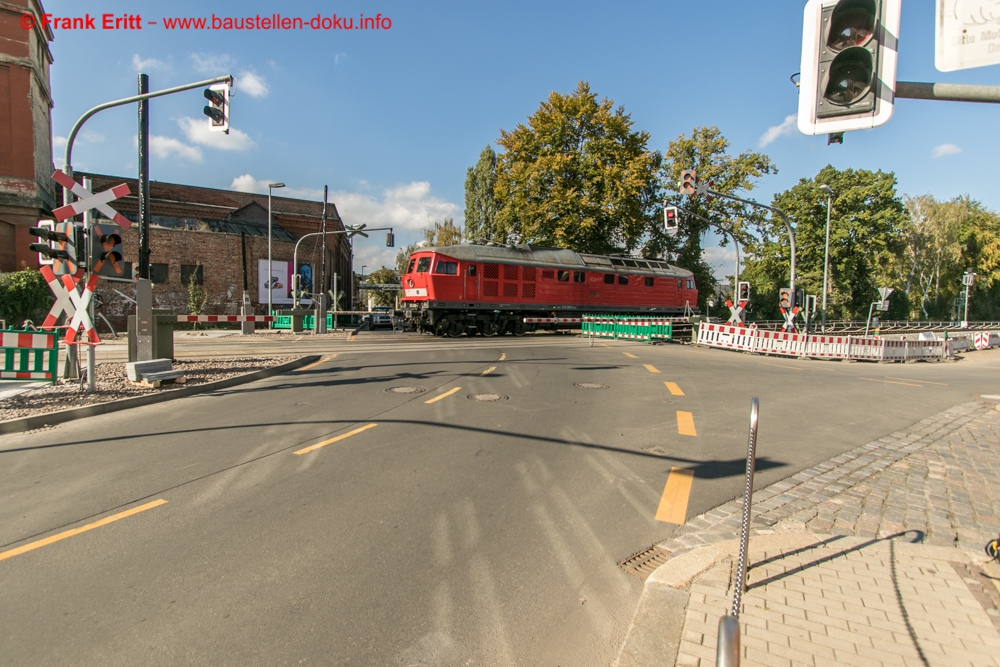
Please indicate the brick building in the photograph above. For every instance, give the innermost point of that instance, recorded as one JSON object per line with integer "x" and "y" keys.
{"x": 27, "y": 192}
{"x": 207, "y": 234}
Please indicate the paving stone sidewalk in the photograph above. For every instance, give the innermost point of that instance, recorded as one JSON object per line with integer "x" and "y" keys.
{"x": 872, "y": 558}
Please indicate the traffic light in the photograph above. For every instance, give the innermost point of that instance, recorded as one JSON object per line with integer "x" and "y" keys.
{"x": 800, "y": 298}
{"x": 106, "y": 254}
{"x": 64, "y": 249}
{"x": 671, "y": 219}
{"x": 742, "y": 291}
{"x": 390, "y": 240}
{"x": 785, "y": 298}
{"x": 848, "y": 70}
{"x": 688, "y": 182}
{"x": 218, "y": 107}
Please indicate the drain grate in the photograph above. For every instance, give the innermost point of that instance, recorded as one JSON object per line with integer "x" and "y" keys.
{"x": 406, "y": 390}
{"x": 487, "y": 398}
{"x": 643, "y": 563}
{"x": 590, "y": 385}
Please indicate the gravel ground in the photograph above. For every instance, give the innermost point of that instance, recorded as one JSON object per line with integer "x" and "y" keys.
{"x": 112, "y": 385}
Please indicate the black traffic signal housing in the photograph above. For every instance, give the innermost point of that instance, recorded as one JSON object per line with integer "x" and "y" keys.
{"x": 785, "y": 298}
{"x": 742, "y": 291}
{"x": 65, "y": 247}
{"x": 689, "y": 182}
{"x": 390, "y": 240}
{"x": 106, "y": 255}
{"x": 671, "y": 219}
{"x": 218, "y": 107}
{"x": 848, "y": 69}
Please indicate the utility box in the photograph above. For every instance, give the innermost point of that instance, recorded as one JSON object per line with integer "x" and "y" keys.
{"x": 162, "y": 331}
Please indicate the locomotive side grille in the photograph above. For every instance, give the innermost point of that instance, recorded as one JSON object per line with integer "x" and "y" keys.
{"x": 491, "y": 272}
{"x": 548, "y": 274}
{"x": 528, "y": 274}
{"x": 510, "y": 289}
{"x": 490, "y": 287}
{"x": 528, "y": 290}
{"x": 509, "y": 272}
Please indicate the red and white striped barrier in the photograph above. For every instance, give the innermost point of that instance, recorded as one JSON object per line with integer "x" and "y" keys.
{"x": 27, "y": 350}
{"x": 225, "y": 318}
{"x": 553, "y": 320}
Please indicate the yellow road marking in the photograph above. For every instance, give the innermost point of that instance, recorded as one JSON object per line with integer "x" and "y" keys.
{"x": 685, "y": 423}
{"x": 674, "y": 502}
{"x": 489, "y": 370}
{"x": 444, "y": 395}
{"x": 674, "y": 389}
{"x": 905, "y": 384}
{"x": 630, "y": 355}
{"x": 337, "y": 439}
{"x": 651, "y": 369}
{"x": 503, "y": 355}
{"x": 920, "y": 381}
{"x": 604, "y": 345}
{"x": 82, "y": 529}
{"x": 351, "y": 339}
{"x": 791, "y": 368}
{"x": 317, "y": 363}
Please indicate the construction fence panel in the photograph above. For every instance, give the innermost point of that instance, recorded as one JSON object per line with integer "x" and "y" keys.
{"x": 29, "y": 355}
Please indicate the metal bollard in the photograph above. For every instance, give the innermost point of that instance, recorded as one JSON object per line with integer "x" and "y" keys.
{"x": 727, "y": 652}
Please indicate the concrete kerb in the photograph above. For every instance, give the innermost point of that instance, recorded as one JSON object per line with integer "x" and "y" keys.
{"x": 61, "y": 416}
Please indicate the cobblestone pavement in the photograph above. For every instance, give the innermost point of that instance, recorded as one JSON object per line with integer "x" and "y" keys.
{"x": 871, "y": 558}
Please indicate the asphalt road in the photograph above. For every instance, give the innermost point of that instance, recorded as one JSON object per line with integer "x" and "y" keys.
{"x": 456, "y": 531}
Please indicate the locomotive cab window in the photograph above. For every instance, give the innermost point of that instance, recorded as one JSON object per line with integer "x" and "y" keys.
{"x": 579, "y": 277}
{"x": 409, "y": 269}
{"x": 472, "y": 269}
{"x": 447, "y": 268}
{"x": 690, "y": 283}
{"x": 649, "y": 282}
{"x": 564, "y": 276}
{"x": 609, "y": 279}
{"x": 423, "y": 265}
{"x": 623, "y": 280}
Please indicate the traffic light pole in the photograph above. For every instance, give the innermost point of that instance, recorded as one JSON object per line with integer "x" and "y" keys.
{"x": 949, "y": 92}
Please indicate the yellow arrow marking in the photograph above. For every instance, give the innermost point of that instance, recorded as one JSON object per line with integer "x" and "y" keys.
{"x": 674, "y": 501}
{"x": 337, "y": 439}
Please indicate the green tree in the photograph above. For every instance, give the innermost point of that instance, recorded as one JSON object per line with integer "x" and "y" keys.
{"x": 443, "y": 233}
{"x": 480, "y": 200}
{"x": 403, "y": 258}
{"x": 576, "y": 176}
{"x": 705, "y": 151}
{"x": 867, "y": 227}
{"x": 23, "y": 296}
{"x": 383, "y": 276}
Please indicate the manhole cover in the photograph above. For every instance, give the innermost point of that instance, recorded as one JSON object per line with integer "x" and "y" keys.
{"x": 643, "y": 563}
{"x": 487, "y": 398}
{"x": 591, "y": 385}
{"x": 406, "y": 390}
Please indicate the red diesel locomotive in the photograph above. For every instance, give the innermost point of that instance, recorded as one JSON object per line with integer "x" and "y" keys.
{"x": 491, "y": 289}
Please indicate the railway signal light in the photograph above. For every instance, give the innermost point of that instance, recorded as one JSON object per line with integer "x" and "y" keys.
{"x": 390, "y": 240}
{"x": 785, "y": 298}
{"x": 218, "y": 107}
{"x": 106, "y": 254}
{"x": 848, "y": 69}
{"x": 64, "y": 247}
{"x": 671, "y": 219}
{"x": 742, "y": 291}
{"x": 689, "y": 182}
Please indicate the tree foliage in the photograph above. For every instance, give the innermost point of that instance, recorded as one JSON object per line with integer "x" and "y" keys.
{"x": 23, "y": 296}
{"x": 480, "y": 200}
{"x": 443, "y": 233}
{"x": 705, "y": 151}
{"x": 576, "y": 176}
{"x": 383, "y": 276}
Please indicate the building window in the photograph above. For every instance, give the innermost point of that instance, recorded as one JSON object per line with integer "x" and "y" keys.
{"x": 192, "y": 271}
{"x": 447, "y": 268}
{"x": 159, "y": 274}
{"x": 579, "y": 277}
{"x": 609, "y": 279}
{"x": 649, "y": 282}
{"x": 623, "y": 280}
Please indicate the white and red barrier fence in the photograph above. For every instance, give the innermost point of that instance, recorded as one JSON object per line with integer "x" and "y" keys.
{"x": 225, "y": 318}
{"x": 868, "y": 348}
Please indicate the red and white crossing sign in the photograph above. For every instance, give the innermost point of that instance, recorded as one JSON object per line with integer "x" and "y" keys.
{"x": 89, "y": 200}
{"x": 736, "y": 313}
{"x": 72, "y": 303}
{"x": 789, "y": 316}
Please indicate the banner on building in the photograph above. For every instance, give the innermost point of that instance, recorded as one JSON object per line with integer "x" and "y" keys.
{"x": 281, "y": 282}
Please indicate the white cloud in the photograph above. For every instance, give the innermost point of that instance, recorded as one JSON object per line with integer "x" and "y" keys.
{"x": 945, "y": 149}
{"x": 165, "y": 147}
{"x": 338, "y": 57}
{"x": 213, "y": 63}
{"x": 252, "y": 84}
{"x": 722, "y": 260}
{"x": 60, "y": 143}
{"x": 247, "y": 183}
{"x": 140, "y": 65}
{"x": 197, "y": 131}
{"x": 787, "y": 127}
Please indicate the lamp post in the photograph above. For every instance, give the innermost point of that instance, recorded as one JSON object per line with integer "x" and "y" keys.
{"x": 828, "y": 191}
{"x": 270, "y": 186}
{"x": 363, "y": 266}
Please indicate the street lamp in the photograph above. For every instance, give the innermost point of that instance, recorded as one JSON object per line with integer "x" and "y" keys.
{"x": 270, "y": 186}
{"x": 828, "y": 191}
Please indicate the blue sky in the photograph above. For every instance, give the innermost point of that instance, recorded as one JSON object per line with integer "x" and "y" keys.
{"x": 391, "y": 119}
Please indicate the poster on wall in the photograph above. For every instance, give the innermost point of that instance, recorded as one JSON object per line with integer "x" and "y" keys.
{"x": 281, "y": 282}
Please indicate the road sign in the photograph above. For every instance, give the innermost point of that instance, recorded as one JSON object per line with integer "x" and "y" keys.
{"x": 789, "y": 316}
{"x": 884, "y": 292}
{"x": 81, "y": 316}
{"x": 967, "y": 34}
{"x": 736, "y": 313}
{"x": 89, "y": 200}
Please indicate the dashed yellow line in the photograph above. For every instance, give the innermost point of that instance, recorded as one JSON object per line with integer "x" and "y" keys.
{"x": 317, "y": 363}
{"x": 685, "y": 423}
{"x": 674, "y": 389}
{"x": 630, "y": 355}
{"x": 650, "y": 368}
{"x": 82, "y": 529}
{"x": 337, "y": 439}
{"x": 351, "y": 339}
{"x": 674, "y": 501}
{"x": 920, "y": 381}
{"x": 905, "y": 384}
{"x": 444, "y": 395}
{"x": 489, "y": 370}
{"x": 503, "y": 355}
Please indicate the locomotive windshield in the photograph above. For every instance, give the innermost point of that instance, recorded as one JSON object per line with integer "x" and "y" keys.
{"x": 423, "y": 265}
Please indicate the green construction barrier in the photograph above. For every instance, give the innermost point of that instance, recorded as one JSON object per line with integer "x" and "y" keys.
{"x": 29, "y": 355}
